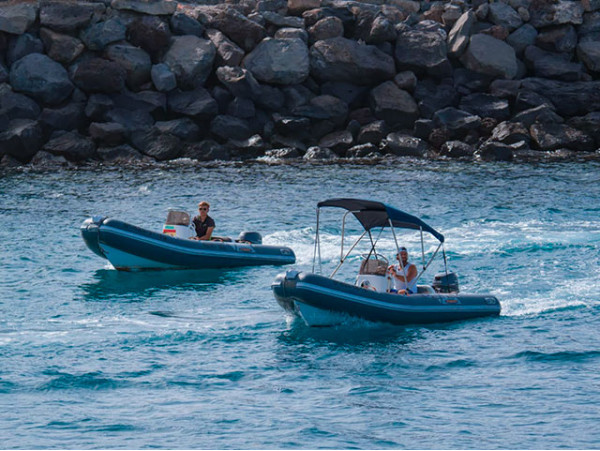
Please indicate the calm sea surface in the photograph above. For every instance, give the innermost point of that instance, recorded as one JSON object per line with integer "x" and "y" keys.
{"x": 95, "y": 358}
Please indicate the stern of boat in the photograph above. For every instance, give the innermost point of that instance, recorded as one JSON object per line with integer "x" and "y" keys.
{"x": 90, "y": 232}
{"x": 283, "y": 285}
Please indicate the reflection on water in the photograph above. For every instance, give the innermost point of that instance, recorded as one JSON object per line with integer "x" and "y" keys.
{"x": 135, "y": 286}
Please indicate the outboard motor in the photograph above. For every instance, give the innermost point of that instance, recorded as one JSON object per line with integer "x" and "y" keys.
{"x": 445, "y": 283}
{"x": 250, "y": 237}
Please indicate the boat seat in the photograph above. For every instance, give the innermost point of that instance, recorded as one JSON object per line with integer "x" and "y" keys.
{"x": 373, "y": 266}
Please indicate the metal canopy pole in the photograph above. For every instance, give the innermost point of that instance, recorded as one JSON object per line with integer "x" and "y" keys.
{"x": 343, "y": 258}
{"x": 317, "y": 245}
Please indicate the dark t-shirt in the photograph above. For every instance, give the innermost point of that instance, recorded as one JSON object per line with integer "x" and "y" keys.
{"x": 202, "y": 227}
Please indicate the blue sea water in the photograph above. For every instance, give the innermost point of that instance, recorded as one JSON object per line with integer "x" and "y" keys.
{"x": 95, "y": 358}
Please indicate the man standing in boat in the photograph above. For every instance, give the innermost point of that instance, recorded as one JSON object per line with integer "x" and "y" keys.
{"x": 203, "y": 223}
{"x": 404, "y": 274}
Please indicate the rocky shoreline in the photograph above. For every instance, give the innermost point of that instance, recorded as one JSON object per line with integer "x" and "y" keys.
{"x": 128, "y": 82}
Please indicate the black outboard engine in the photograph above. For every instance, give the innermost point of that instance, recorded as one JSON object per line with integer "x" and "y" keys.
{"x": 445, "y": 283}
{"x": 250, "y": 237}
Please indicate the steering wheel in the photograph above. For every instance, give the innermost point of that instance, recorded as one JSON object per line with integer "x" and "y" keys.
{"x": 375, "y": 256}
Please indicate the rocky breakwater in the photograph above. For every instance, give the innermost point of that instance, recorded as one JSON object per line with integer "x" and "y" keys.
{"x": 128, "y": 81}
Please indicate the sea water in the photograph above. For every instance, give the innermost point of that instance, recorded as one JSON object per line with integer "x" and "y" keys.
{"x": 95, "y": 358}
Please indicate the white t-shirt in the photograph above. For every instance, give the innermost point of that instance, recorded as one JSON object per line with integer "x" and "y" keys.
{"x": 400, "y": 284}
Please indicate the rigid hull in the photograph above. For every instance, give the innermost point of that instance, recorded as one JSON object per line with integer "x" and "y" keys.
{"x": 315, "y": 298}
{"x": 129, "y": 247}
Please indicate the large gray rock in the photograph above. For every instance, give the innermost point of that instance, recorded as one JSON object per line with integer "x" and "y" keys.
{"x": 457, "y": 149}
{"x": 569, "y": 98}
{"x": 423, "y": 52}
{"x": 589, "y": 53}
{"x": 21, "y": 46}
{"x": 339, "y": 141}
{"x": 393, "y": 105}
{"x": 458, "y": 122}
{"x": 61, "y": 47}
{"x": 588, "y": 124}
{"x": 341, "y": 59}
{"x": 99, "y": 75}
{"x": 510, "y": 133}
{"x": 279, "y": 61}
{"x": 151, "y": 34}
{"x": 486, "y": 105}
{"x": 182, "y": 24}
{"x": 504, "y": 15}
{"x": 404, "y": 145}
{"x": 196, "y": 103}
{"x": 229, "y": 127}
{"x": 324, "y": 107}
{"x": 558, "y": 68}
{"x": 543, "y": 14}
{"x": 326, "y": 28}
{"x": 134, "y": 60}
{"x": 207, "y": 150}
{"x": 297, "y": 7}
{"x": 560, "y": 136}
{"x": 241, "y": 30}
{"x": 432, "y": 97}
{"x": 163, "y": 78}
{"x": 191, "y": 59}
{"x": 122, "y": 155}
{"x": 228, "y": 52}
{"x": 68, "y": 17}
{"x": 280, "y": 20}
{"x": 184, "y": 128}
{"x": 151, "y": 7}
{"x": 382, "y": 30}
{"x": 68, "y": 117}
{"x": 316, "y": 153}
{"x": 490, "y": 56}
{"x": 562, "y": 39}
{"x": 41, "y": 78}
{"x": 107, "y": 133}
{"x": 162, "y": 147}
{"x": 239, "y": 81}
{"x": 100, "y": 34}
{"x": 22, "y": 138}
{"x": 458, "y": 38}
{"x": 522, "y": 37}
{"x": 72, "y": 146}
{"x": 17, "y": 17}
{"x": 17, "y": 106}
{"x": 495, "y": 151}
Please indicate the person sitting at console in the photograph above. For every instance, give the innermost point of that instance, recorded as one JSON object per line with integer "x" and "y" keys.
{"x": 203, "y": 223}
{"x": 404, "y": 274}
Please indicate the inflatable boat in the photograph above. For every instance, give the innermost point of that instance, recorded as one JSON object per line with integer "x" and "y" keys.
{"x": 131, "y": 248}
{"x": 322, "y": 301}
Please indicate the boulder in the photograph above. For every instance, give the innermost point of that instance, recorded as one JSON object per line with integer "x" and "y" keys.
{"x": 229, "y": 127}
{"x": 121, "y": 155}
{"x": 98, "y": 105}
{"x": 316, "y": 153}
{"x": 134, "y": 121}
{"x": 432, "y": 97}
{"x": 589, "y": 54}
{"x": 241, "y": 30}
{"x": 373, "y": 133}
{"x": 291, "y": 125}
{"x": 423, "y": 52}
{"x": 297, "y": 7}
{"x": 228, "y": 52}
{"x": 61, "y": 47}
{"x": 281, "y": 21}
{"x": 569, "y": 98}
{"x": 21, "y": 139}
{"x": 163, "y": 78}
{"x": 486, "y": 105}
{"x": 404, "y": 145}
{"x": 504, "y": 15}
{"x": 183, "y": 24}
{"x": 72, "y": 146}
{"x": 285, "y": 153}
{"x": 17, "y": 106}
{"x": 45, "y": 160}
{"x": 324, "y": 107}
{"x": 150, "y": 7}
{"x": 556, "y": 67}
{"x": 162, "y": 147}
{"x": 341, "y": 59}
{"x": 588, "y": 124}
{"x": 99, "y": 75}
{"x": 326, "y": 28}
{"x": 522, "y": 37}
{"x": 561, "y": 39}
{"x": 41, "y": 78}
{"x": 495, "y": 151}
{"x": 423, "y": 128}
{"x": 292, "y": 33}
{"x": 458, "y": 38}
{"x": 242, "y": 108}
{"x": 17, "y": 17}
{"x": 510, "y": 133}
{"x": 191, "y": 59}
{"x": 207, "y": 150}
{"x": 457, "y": 149}
{"x": 382, "y": 30}
{"x": 543, "y": 114}
{"x": 151, "y": 34}
{"x": 490, "y": 56}
{"x": 544, "y": 14}
{"x": 560, "y": 136}
{"x": 196, "y": 103}
{"x": 98, "y": 35}
{"x": 338, "y": 141}
{"x": 107, "y": 133}
{"x": 68, "y": 117}
{"x": 279, "y": 61}
{"x": 393, "y": 105}
{"x": 21, "y": 46}
{"x": 68, "y": 17}
{"x": 184, "y": 128}
{"x": 239, "y": 82}
{"x": 135, "y": 61}
{"x": 456, "y": 121}
{"x": 367, "y": 150}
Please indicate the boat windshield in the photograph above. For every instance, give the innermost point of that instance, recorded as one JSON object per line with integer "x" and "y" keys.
{"x": 175, "y": 217}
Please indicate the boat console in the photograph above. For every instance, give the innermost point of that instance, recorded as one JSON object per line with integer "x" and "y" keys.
{"x": 178, "y": 225}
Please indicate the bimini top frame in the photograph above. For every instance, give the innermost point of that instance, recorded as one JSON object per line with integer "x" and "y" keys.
{"x": 373, "y": 215}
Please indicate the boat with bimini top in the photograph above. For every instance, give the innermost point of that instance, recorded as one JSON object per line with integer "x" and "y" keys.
{"x": 129, "y": 248}
{"x": 321, "y": 300}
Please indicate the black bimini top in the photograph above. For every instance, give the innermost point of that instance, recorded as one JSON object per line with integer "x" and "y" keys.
{"x": 373, "y": 214}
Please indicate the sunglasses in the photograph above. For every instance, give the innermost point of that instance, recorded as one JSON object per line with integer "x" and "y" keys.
{"x": 203, "y": 209}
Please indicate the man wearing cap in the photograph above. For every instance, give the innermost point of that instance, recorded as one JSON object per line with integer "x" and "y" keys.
{"x": 404, "y": 274}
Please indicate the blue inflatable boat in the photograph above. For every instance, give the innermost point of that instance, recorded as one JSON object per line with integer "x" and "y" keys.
{"x": 131, "y": 248}
{"x": 321, "y": 300}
